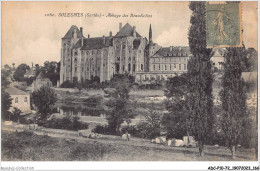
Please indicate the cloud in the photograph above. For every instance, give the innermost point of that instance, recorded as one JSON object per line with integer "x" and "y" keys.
{"x": 175, "y": 36}
{"x": 37, "y": 51}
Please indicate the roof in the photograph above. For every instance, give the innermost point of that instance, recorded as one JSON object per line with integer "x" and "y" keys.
{"x": 15, "y": 91}
{"x": 218, "y": 51}
{"x": 176, "y": 51}
{"x": 96, "y": 43}
{"x": 69, "y": 34}
{"x": 30, "y": 72}
{"x": 126, "y": 31}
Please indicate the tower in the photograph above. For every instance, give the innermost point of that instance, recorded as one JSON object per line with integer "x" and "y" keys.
{"x": 150, "y": 35}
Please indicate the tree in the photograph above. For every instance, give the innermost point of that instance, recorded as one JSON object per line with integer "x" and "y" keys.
{"x": 20, "y": 71}
{"x": 175, "y": 121}
{"x": 6, "y": 104}
{"x": 44, "y": 100}
{"x": 233, "y": 98}
{"x": 199, "y": 96}
{"x": 153, "y": 118}
{"x": 120, "y": 108}
{"x": 16, "y": 114}
{"x": 5, "y": 81}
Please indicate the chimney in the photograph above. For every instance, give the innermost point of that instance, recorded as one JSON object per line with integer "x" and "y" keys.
{"x": 88, "y": 36}
{"x": 110, "y": 34}
{"x": 104, "y": 40}
{"x": 81, "y": 30}
{"x": 134, "y": 31}
{"x": 120, "y": 26}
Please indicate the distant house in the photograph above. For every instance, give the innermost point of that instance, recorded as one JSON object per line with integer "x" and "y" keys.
{"x": 20, "y": 99}
{"x": 41, "y": 81}
{"x": 30, "y": 73}
{"x": 218, "y": 60}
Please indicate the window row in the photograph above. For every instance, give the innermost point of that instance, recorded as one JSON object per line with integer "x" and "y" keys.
{"x": 169, "y": 59}
{"x": 25, "y": 100}
{"x": 169, "y": 67}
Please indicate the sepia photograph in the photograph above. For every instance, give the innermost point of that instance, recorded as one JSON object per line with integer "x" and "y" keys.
{"x": 129, "y": 81}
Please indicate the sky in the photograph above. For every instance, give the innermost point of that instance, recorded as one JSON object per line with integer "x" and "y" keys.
{"x": 28, "y": 36}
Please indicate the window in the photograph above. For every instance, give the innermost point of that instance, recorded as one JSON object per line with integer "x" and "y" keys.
{"x": 16, "y": 100}
{"x": 25, "y": 100}
{"x": 159, "y": 67}
{"x": 165, "y": 59}
{"x": 153, "y": 60}
{"x": 123, "y": 46}
{"x": 170, "y": 66}
{"x": 75, "y": 59}
{"x": 118, "y": 58}
{"x": 87, "y": 68}
{"x": 174, "y": 65}
{"x": 179, "y": 66}
{"x": 184, "y": 66}
{"x": 98, "y": 69}
{"x": 104, "y": 65}
{"x": 82, "y": 69}
{"x": 123, "y": 68}
{"x": 129, "y": 59}
{"x": 76, "y": 53}
{"x": 134, "y": 58}
{"x": 142, "y": 67}
{"x": 165, "y": 67}
{"x": 87, "y": 52}
{"x": 154, "y": 67}
{"x": 75, "y": 69}
{"x": 129, "y": 67}
{"x": 133, "y": 67}
{"x": 93, "y": 52}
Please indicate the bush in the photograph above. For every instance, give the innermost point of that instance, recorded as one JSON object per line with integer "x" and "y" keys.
{"x": 68, "y": 123}
{"x": 145, "y": 130}
{"x": 67, "y": 84}
{"x": 104, "y": 129}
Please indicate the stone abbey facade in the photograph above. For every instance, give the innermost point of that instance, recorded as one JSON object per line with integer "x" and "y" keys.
{"x": 84, "y": 58}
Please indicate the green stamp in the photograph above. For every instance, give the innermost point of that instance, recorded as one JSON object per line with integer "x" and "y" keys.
{"x": 223, "y": 22}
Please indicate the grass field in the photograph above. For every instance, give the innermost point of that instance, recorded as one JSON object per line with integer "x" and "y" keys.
{"x": 26, "y": 146}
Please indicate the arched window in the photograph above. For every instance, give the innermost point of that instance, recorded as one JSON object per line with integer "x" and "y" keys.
{"x": 142, "y": 67}
{"x": 16, "y": 100}
{"x": 129, "y": 67}
{"x": 133, "y": 67}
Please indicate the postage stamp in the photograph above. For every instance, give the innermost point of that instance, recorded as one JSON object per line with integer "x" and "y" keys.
{"x": 223, "y": 22}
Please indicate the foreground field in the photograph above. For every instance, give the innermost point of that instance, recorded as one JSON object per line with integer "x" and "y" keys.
{"x": 26, "y": 146}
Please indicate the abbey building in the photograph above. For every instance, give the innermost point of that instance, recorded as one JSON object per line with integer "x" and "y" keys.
{"x": 84, "y": 58}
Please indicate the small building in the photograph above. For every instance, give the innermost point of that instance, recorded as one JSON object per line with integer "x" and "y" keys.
{"x": 20, "y": 99}
{"x": 41, "y": 81}
{"x": 29, "y": 73}
{"x": 218, "y": 60}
